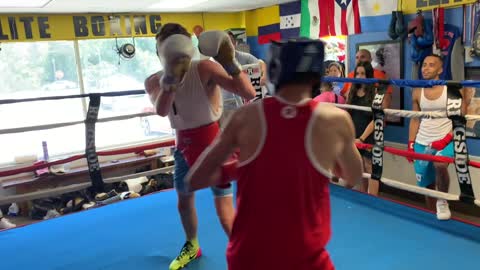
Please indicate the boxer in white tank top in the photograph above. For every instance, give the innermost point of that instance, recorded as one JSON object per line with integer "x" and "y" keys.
{"x": 188, "y": 92}
{"x": 432, "y": 136}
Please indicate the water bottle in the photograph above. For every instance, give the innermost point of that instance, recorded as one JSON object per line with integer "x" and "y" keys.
{"x": 13, "y": 210}
{"x": 45, "y": 151}
{"x": 428, "y": 151}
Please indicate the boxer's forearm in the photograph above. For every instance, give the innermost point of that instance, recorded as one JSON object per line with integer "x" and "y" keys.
{"x": 243, "y": 87}
{"x": 263, "y": 79}
{"x": 366, "y": 133}
{"x": 413, "y": 130}
{"x": 164, "y": 102}
{"x": 387, "y": 101}
{"x": 206, "y": 171}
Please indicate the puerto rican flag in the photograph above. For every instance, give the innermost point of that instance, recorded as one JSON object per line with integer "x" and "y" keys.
{"x": 344, "y": 17}
{"x": 330, "y": 18}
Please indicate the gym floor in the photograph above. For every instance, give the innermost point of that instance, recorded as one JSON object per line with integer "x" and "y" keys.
{"x": 145, "y": 233}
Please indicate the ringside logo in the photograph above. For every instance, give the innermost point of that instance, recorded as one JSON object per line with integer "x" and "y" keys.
{"x": 454, "y": 106}
{"x": 378, "y": 127}
{"x": 377, "y": 101}
{"x": 91, "y": 156}
{"x": 377, "y": 151}
{"x": 461, "y": 155}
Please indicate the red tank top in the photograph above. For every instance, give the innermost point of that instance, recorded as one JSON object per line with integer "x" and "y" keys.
{"x": 283, "y": 203}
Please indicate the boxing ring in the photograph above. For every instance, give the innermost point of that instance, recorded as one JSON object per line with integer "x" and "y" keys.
{"x": 145, "y": 233}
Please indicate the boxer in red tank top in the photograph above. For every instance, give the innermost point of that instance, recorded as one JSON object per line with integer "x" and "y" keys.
{"x": 287, "y": 156}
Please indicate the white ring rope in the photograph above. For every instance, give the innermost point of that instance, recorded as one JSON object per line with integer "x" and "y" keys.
{"x": 66, "y": 124}
{"x": 74, "y": 187}
{"x": 404, "y": 113}
{"x": 416, "y": 189}
{"x": 393, "y": 112}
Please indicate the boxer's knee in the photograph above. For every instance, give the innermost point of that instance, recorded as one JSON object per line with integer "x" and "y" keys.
{"x": 223, "y": 190}
{"x": 186, "y": 202}
{"x": 225, "y": 212}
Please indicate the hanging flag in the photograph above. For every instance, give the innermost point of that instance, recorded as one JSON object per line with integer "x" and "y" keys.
{"x": 290, "y": 16}
{"x": 268, "y": 33}
{"x": 268, "y": 23}
{"x": 314, "y": 23}
{"x": 344, "y": 17}
{"x": 376, "y": 7}
{"x": 329, "y": 18}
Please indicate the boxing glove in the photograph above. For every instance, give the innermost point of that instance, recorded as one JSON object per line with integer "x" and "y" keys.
{"x": 400, "y": 29}
{"x": 392, "y": 27}
{"x": 175, "y": 53}
{"x": 217, "y": 44}
{"x": 229, "y": 171}
{"x": 442, "y": 143}
{"x": 410, "y": 149}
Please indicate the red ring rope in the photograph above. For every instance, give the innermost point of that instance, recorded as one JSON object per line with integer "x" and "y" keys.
{"x": 413, "y": 155}
{"x": 137, "y": 149}
{"x": 73, "y": 158}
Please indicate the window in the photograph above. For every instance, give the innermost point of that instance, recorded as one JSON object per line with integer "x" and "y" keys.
{"x": 49, "y": 68}
{"x": 104, "y": 71}
{"x": 36, "y": 69}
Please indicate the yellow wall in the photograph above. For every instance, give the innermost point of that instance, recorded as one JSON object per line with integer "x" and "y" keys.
{"x": 261, "y": 17}
{"x": 222, "y": 21}
{"x": 15, "y": 28}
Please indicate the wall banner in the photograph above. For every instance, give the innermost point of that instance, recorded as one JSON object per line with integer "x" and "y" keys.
{"x": 16, "y": 28}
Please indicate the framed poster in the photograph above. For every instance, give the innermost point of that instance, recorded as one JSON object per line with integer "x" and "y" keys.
{"x": 387, "y": 56}
{"x": 473, "y": 126}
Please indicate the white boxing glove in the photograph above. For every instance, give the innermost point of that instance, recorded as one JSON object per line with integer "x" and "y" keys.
{"x": 175, "y": 53}
{"x": 217, "y": 44}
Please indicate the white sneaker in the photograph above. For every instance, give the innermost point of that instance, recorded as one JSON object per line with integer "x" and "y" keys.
{"x": 52, "y": 213}
{"x": 443, "y": 211}
{"x": 6, "y": 224}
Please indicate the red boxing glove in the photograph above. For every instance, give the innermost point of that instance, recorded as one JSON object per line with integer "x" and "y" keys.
{"x": 410, "y": 149}
{"x": 229, "y": 171}
{"x": 442, "y": 143}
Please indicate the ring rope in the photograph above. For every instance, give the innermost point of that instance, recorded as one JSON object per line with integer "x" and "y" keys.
{"x": 378, "y": 148}
{"x": 390, "y": 112}
{"x": 106, "y": 94}
{"x": 396, "y": 82}
{"x": 404, "y": 186}
{"x": 66, "y": 124}
{"x": 415, "y": 155}
{"x": 403, "y": 113}
{"x": 405, "y": 83}
{"x": 128, "y": 150}
{"x": 75, "y": 187}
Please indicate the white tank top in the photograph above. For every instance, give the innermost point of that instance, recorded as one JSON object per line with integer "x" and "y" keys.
{"x": 191, "y": 107}
{"x": 431, "y": 130}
